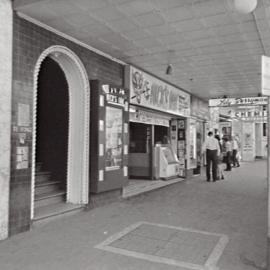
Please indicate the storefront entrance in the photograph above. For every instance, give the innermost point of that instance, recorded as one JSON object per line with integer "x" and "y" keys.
{"x": 52, "y": 135}
{"x": 60, "y": 150}
{"x": 140, "y": 150}
{"x": 143, "y": 138}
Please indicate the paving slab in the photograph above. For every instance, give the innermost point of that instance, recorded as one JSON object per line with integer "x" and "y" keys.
{"x": 235, "y": 207}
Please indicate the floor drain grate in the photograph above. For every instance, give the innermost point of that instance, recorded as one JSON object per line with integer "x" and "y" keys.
{"x": 171, "y": 245}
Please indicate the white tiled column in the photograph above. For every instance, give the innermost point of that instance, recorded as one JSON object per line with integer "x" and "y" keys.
{"x": 5, "y": 110}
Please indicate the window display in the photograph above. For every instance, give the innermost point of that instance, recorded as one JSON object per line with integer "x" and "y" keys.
{"x": 114, "y": 131}
{"x": 193, "y": 150}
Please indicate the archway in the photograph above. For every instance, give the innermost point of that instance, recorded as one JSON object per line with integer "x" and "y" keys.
{"x": 78, "y": 127}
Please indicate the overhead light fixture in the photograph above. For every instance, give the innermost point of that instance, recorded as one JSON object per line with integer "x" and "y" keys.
{"x": 243, "y": 6}
{"x": 169, "y": 70}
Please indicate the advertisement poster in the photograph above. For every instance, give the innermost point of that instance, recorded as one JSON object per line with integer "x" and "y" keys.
{"x": 22, "y": 160}
{"x": 150, "y": 92}
{"x": 248, "y": 142}
{"x": 23, "y": 115}
{"x": 114, "y": 142}
{"x": 193, "y": 149}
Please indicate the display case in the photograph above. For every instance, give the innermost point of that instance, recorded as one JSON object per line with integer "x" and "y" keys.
{"x": 108, "y": 137}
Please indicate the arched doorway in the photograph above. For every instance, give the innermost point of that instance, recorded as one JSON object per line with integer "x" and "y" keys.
{"x": 73, "y": 86}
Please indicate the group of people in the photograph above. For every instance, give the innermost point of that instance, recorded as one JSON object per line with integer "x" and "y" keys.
{"x": 217, "y": 153}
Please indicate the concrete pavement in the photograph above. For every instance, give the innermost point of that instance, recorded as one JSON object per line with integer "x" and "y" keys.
{"x": 235, "y": 208}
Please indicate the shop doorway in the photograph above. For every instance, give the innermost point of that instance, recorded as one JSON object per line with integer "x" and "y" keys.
{"x": 160, "y": 132}
{"x": 140, "y": 148}
{"x": 52, "y": 120}
{"x": 60, "y": 149}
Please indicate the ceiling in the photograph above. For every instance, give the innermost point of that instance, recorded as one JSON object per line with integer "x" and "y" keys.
{"x": 214, "y": 50}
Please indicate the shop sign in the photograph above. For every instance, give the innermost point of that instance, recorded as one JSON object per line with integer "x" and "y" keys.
{"x": 140, "y": 116}
{"x": 199, "y": 108}
{"x": 227, "y": 102}
{"x": 150, "y": 92}
{"x": 266, "y": 75}
{"x": 248, "y": 113}
{"x": 115, "y": 95}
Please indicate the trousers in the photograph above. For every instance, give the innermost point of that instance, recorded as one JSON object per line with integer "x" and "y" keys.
{"x": 211, "y": 159}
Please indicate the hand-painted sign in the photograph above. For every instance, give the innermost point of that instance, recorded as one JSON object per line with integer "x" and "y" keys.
{"x": 227, "y": 102}
{"x": 248, "y": 113}
{"x": 150, "y": 92}
{"x": 266, "y": 75}
{"x": 141, "y": 116}
{"x": 115, "y": 95}
{"x": 199, "y": 108}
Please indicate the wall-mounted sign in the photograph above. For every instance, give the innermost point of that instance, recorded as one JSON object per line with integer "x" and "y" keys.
{"x": 199, "y": 108}
{"x": 245, "y": 113}
{"x": 23, "y": 115}
{"x": 150, "y": 92}
{"x": 22, "y": 160}
{"x": 115, "y": 95}
{"x": 266, "y": 75}
{"x": 227, "y": 102}
{"x": 141, "y": 116}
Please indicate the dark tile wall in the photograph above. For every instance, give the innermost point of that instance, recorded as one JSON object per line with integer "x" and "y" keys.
{"x": 28, "y": 43}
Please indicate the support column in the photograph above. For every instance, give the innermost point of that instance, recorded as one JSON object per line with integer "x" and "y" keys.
{"x": 6, "y": 20}
{"x": 268, "y": 185}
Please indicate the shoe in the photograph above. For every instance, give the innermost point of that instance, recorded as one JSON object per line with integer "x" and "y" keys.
{"x": 222, "y": 177}
{"x": 207, "y": 180}
{"x": 227, "y": 170}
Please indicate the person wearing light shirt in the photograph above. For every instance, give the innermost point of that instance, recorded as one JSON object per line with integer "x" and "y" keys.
{"x": 212, "y": 149}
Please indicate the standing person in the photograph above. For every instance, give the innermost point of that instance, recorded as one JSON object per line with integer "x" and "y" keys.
{"x": 220, "y": 174}
{"x": 235, "y": 149}
{"x": 212, "y": 149}
{"x": 228, "y": 147}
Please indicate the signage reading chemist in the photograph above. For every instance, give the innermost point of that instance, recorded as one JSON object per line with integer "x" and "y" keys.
{"x": 150, "y": 92}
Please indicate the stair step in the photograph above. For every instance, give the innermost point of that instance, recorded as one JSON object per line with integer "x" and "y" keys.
{"x": 54, "y": 210}
{"x": 42, "y": 176}
{"x": 49, "y": 198}
{"x": 38, "y": 166}
{"x": 47, "y": 187}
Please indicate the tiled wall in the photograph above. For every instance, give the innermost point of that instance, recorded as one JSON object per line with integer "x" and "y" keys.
{"x": 29, "y": 42}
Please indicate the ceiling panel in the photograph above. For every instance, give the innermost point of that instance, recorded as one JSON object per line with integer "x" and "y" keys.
{"x": 213, "y": 49}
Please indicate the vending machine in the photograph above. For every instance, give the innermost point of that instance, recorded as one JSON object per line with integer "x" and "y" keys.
{"x": 167, "y": 163}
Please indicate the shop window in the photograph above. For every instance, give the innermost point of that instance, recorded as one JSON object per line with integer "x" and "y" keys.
{"x": 114, "y": 137}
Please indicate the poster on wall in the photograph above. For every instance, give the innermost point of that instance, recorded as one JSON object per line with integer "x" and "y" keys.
{"x": 22, "y": 160}
{"x": 248, "y": 148}
{"x": 23, "y": 115}
{"x": 114, "y": 137}
{"x": 193, "y": 148}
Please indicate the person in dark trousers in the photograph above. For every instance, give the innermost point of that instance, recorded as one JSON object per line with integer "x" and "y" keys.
{"x": 212, "y": 149}
{"x": 228, "y": 147}
{"x": 235, "y": 149}
{"x": 220, "y": 174}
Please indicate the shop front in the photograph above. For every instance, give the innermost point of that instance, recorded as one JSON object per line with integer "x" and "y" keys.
{"x": 198, "y": 127}
{"x": 109, "y": 137}
{"x": 158, "y": 113}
